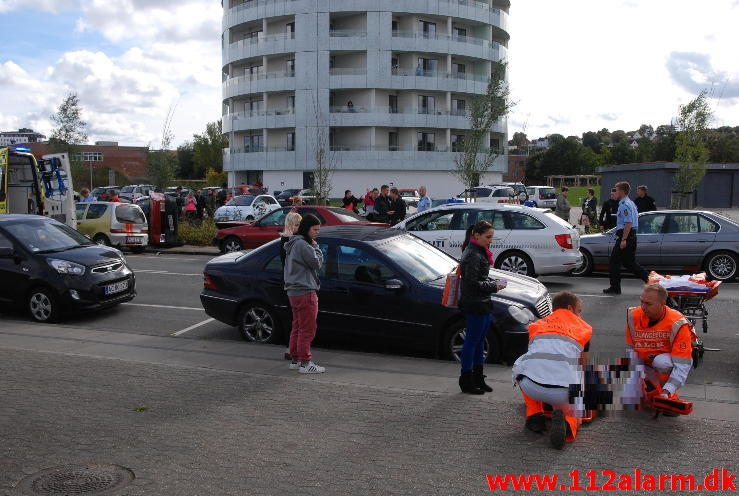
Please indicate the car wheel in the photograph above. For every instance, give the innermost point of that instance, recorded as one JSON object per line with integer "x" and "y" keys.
{"x": 516, "y": 262}
{"x": 258, "y": 324}
{"x": 721, "y": 266}
{"x": 138, "y": 249}
{"x": 586, "y": 267}
{"x": 101, "y": 239}
{"x": 42, "y": 305}
{"x": 454, "y": 340}
{"x": 231, "y": 244}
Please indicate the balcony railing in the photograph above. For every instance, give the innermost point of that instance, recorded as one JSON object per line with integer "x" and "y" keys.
{"x": 250, "y": 4}
{"x": 259, "y": 76}
{"x": 344, "y": 109}
{"x": 260, "y": 149}
{"x": 397, "y": 71}
{"x": 445, "y": 37}
{"x": 259, "y": 113}
{"x": 348, "y": 71}
{"x": 347, "y": 33}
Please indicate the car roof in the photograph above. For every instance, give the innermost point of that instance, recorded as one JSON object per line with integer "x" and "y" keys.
{"x": 359, "y": 233}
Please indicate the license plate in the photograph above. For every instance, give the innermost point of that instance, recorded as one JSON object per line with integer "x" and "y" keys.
{"x": 115, "y": 288}
{"x": 132, "y": 240}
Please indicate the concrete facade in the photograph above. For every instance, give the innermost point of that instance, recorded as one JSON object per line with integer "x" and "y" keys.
{"x": 388, "y": 83}
{"x": 718, "y": 189}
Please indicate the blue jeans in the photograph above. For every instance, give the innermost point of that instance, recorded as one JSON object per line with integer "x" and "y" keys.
{"x": 474, "y": 342}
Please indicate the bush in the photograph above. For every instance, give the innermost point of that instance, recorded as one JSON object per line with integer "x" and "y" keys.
{"x": 199, "y": 233}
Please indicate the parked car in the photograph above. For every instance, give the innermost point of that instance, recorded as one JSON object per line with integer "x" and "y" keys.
{"x": 271, "y": 225}
{"x": 672, "y": 240}
{"x": 517, "y": 187}
{"x": 135, "y": 191}
{"x": 285, "y": 197}
{"x": 114, "y": 224}
{"x": 48, "y": 268}
{"x": 245, "y": 208}
{"x": 307, "y": 196}
{"x": 377, "y": 284}
{"x": 101, "y": 192}
{"x": 245, "y": 189}
{"x": 528, "y": 241}
{"x": 542, "y": 196}
{"x": 490, "y": 194}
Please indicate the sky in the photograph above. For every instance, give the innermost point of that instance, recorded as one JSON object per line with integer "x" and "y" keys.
{"x": 575, "y": 65}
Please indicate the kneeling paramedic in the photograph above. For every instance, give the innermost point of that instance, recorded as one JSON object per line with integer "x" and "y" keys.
{"x": 549, "y": 369}
{"x": 661, "y": 339}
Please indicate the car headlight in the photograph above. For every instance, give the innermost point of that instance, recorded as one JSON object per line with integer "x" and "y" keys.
{"x": 521, "y": 315}
{"x": 67, "y": 267}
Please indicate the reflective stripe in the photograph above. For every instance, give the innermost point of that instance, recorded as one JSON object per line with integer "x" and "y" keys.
{"x": 547, "y": 356}
{"x": 674, "y": 382}
{"x": 559, "y": 337}
{"x": 675, "y": 359}
{"x": 676, "y": 327}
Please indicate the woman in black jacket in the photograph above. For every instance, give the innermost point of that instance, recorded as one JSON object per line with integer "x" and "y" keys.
{"x": 475, "y": 287}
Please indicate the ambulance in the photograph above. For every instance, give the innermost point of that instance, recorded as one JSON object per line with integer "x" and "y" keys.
{"x": 43, "y": 187}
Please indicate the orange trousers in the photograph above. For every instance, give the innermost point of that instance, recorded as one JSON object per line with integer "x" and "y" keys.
{"x": 533, "y": 406}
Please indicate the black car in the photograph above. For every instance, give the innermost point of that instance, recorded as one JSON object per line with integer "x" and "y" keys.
{"x": 376, "y": 284}
{"x": 284, "y": 197}
{"x": 49, "y": 268}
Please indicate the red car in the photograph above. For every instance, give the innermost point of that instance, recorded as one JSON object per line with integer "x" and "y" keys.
{"x": 269, "y": 227}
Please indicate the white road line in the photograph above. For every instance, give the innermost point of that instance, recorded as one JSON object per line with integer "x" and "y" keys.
{"x": 162, "y": 306}
{"x": 183, "y": 331}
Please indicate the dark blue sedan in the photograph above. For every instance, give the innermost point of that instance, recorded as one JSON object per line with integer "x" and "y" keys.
{"x": 376, "y": 284}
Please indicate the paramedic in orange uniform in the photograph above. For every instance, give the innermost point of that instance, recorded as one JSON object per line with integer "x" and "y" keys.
{"x": 661, "y": 338}
{"x": 550, "y": 366}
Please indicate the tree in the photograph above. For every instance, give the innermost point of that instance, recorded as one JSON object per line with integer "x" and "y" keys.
{"x": 645, "y": 150}
{"x": 664, "y": 148}
{"x": 68, "y": 135}
{"x": 592, "y": 141}
{"x": 485, "y": 111}
{"x": 324, "y": 158}
{"x": 621, "y": 153}
{"x": 723, "y": 144}
{"x": 162, "y": 163}
{"x": 185, "y": 163}
{"x": 208, "y": 149}
{"x": 520, "y": 141}
{"x": 618, "y": 136}
{"x": 534, "y": 171}
{"x": 691, "y": 152}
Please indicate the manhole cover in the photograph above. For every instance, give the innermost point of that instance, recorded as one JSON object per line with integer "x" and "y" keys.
{"x": 71, "y": 480}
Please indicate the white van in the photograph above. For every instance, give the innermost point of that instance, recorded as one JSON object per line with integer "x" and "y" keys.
{"x": 542, "y": 196}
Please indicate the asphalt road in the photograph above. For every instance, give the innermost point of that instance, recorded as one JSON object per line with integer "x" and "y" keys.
{"x": 168, "y": 304}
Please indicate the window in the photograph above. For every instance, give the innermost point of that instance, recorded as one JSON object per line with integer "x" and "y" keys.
{"x": 504, "y": 193}
{"x": 457, "y": 142}
{"x": 394, "y": 62}
{"x": 464, "y": 219}
{"x": 707, "y": 225}
{"x": 425, "y": 142}
{"x": 523, "y": 222}
{"x": 291, "y": 103}
{"x": 458, "y": 68}
{"x": 276, "y": 218}
{"x": 240, "y": 201}
{"x": 291, "y": 142}
{"x": 426, "y": 104}
{"x": 331, "y": 62}
{"x": 290, "y": 29}
{"x": 253, "y": 70}
{"x": 494, "y": 217}
{"x": 253, "y": 106}
{"x": 80, "y": 211}
{"x": 426, "y": 66}
{"x": 458, "y": 107}
{"x": 392, "y": 101}
{"x": 254, "y": 143}
{"x": 130, "y": 214}
{"x": 434, "y": 221}
{"x": 275, "y": 263}
{"x": 495, "y": 145}
{"x": 459, "y": 32}
{"x": 290, "y": 66}
{"x": 359, "y": 265}
{"x": 395, "y": 25}
{"x": 651, "y": 224}
{"x": 268, "y": 200}
{"x": 683, "y": 223}
{"x": 312, "y": 211}
{"x": 95, "y": 211}
{"x": 92, "y": 156}
{"x": 428, "y": 29}
{"x": 392, "y": 141}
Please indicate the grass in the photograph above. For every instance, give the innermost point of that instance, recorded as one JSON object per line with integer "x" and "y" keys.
{"x": 578, "y": 194}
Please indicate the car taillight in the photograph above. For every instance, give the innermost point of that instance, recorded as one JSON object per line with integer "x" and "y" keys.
{"x": 208, "y": 282}
{"x": 564, "y": 240}
{"x": 118, "y": 231}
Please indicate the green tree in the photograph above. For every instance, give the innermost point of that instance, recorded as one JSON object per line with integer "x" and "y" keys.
{"x": 485, "y": 111}
{"x": 185, "y": 163}
{"x": 645, "y": 150}
{"x": 604, "y": 135}
{"x": 591, "y": 140}
{"x": 520, "y": 141}
{"x": 68, "y": 135}
{"x": 723, "y": 145}
{"x": 163, "y": 162}
{"x": 664, "y": 148}
{"x": 621, "y": 153}
{"x": 618, "y": 137}
{"x": 534, "y": 171}
{"x": 691, "y": 152}
{"x": 208, "y": 149}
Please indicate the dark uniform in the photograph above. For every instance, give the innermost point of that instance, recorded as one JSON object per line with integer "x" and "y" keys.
{"x": 608, "y": 214}
{"x": 645, "y": 204}
{"x": 627, "y": 256}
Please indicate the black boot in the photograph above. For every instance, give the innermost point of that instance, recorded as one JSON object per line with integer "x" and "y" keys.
{"x": 466, "y": 384}
{"x": 478, "y": 379}
{"x": 535, "y": 423}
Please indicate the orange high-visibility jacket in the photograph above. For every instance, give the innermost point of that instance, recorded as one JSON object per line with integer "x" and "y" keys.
{"x": 555, "y": 345}
{"x": 673, "y": 334}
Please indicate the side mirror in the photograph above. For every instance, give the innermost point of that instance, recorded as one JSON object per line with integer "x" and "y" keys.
{"x": 393, "y": 284}
{"x": 7, "y": 252}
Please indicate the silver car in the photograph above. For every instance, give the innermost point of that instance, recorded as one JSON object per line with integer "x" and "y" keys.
{"x": 672, "y": 240}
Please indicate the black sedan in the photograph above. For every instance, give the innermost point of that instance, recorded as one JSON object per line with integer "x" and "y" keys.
{"x": 376, "y": 284}
{"x": 49, "y": 268}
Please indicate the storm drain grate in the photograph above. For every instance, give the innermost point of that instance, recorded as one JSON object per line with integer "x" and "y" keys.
{"x": 72, "y": 480}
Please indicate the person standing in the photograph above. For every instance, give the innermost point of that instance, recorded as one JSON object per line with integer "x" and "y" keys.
{"x": 292, "y": 223}
{"x": 85, "y": 196}
{"x": 382, "y": 205}
{"x": 303, "y": 259}
{"x": 369, "y": 203}
{"x": 589, "y": 217}
{"x": 210, "y": 203}
{"x": 475, "y": 289}
{"x": 190, "y": 207}
{"x": 221, "y": 197}
{"x": 562, "y": 210}
{"x": 608, "y": 212}
{"x": 644, "y": 202}
{"x": 349, "y": 201}
{"x": 398, "y": 207}
{"x": 425, "y": 202}
{"x": 624, "y": 251}
{"x": 113, "y": 196}
{"x": 199, "y": 204}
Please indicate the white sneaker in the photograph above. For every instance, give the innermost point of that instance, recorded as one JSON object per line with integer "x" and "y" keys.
{"x": 294, "y": 365}
{"x": 311, "y": 368}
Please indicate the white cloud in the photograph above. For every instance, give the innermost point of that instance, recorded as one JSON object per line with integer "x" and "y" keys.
{"x": 11, "y": 74}
{"x": 43, "y": 5}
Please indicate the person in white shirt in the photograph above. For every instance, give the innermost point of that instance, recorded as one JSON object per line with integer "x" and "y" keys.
{"x": 425, "y": 202}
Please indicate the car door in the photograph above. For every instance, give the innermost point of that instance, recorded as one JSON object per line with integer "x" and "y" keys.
{"x": 649, "y": 236}
{"x": 684, "y": 244}
{"x": 79, "y": 210}
{"x": 96, "y": 220}
{"x": 435, "y": 228}
{"x": 14, "y": 272}
{"x": 265, "y": 229}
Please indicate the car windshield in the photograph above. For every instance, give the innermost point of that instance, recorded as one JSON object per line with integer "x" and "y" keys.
{"x": 475, "y": 193}
{"x": 130, "y": 214}
{"x": 547, "y": 193}
{"x": 241, "y": 201}
{"x": 345, "y": 215}
{"x": 46, "y": 237}
{"x": 408, "y": 194}
{"x": 127, "y": 189}
{"x": 418, "y": 258}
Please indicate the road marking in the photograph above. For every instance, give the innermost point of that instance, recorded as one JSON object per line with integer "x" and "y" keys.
{"x": 183, "y": 331}
{"x": 152, "y": 271}
{"x": 162, "y": 306}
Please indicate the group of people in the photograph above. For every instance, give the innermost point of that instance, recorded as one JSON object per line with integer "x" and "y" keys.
{"x": 385, "y": 204}
{"x": 109, "y": 196}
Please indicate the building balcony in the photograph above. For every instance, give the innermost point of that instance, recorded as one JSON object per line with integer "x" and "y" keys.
{"x": 347, "y": 39}
{"x": 441, "y": 43}
{"x": 258, "y": 119}
{"x": 257, "y": 47}
{"x": 402, "y": 117}
{"x": 458, "y": 82}
{"x": 259, "y": 83}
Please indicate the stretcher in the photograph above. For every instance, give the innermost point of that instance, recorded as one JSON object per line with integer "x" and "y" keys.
{"x": 659, "y": 404}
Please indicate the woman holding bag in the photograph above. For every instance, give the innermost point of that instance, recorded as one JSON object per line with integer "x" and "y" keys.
{"x": 475, "y": 288}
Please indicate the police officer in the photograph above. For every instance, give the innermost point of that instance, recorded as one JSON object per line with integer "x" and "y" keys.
{"x": 624, "y": 251}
